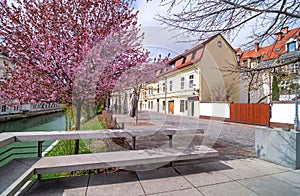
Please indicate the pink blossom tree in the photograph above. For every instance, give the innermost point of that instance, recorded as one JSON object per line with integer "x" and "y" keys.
{"x": 68, "y": 51}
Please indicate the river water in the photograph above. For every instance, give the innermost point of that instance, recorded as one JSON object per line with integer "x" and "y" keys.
{"x": 47, "y": 122}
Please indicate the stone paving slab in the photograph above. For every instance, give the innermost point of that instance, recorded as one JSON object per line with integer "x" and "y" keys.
{"x": 121, "y": 183}
{"x": 162, "y": 180}
{"x": 238, "y": 170}
{"x": 187, "y": 192}
{"x": 291, "y": 177}
{"x": 202, "y": 175}
{"x": 227, "y": 189}
{"x": 263, "y": 166}
{"x": 268, "y": 185}
{"x": 62, "y": 186}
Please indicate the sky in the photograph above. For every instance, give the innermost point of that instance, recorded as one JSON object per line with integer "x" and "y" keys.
{"x": 158, "y": 39}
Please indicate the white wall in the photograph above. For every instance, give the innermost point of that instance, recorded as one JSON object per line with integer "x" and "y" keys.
{"x": 283, "y": 112}
{"x": 215, "y": 109}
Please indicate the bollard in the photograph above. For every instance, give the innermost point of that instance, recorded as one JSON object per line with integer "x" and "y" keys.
{"x": 170, "y": 141}
{"x": 40, "y": 152}
{"x": 134, "y": 142}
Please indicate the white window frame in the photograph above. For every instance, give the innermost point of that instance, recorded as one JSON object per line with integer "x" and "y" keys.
{"x": 182, "y": 83}
{"x": 191, "y": 81}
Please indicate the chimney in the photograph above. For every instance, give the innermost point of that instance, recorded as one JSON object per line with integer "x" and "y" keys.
{"x": 256, "y": 47}
{"x": 278, "y": 36}
{"x": 285, "y": 30}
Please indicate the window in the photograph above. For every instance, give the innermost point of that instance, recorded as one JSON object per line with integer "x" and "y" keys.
{"x": 182, "y": 83}
{"x": 164, "y": 105}
{"x": 193, "y": 55}
{"x": 181, "y": 105}
{"x": 3, "y": 108}
{"x": 171, "y": 86}
{"x": 158, "y": 88}
{"x": 191, "y": 81}
{"x": 150, "y": 91}
{"x": 186, "y": 105}
{"x": 291, "y": 46}
{"x": 16, "y": 108}
{"x": 183, "y": 60}
{"x": 164, "y": 87}
{"x": 245, "y": 62}
{"x": 151, "y": 107}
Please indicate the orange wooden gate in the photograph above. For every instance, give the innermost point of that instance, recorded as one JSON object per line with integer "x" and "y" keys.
{"x": 259, "y": 114}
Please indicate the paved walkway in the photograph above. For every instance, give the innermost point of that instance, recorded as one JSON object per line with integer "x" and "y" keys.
{"x": 235, "y": 174}
{"x": 234, "y": 177}
{"x": 232, "y": 140}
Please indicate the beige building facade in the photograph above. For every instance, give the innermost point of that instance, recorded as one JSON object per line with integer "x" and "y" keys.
{"x": 200, "y": 74}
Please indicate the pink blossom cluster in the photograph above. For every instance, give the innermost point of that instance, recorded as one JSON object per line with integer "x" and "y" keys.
{"x": 68, "y": 51}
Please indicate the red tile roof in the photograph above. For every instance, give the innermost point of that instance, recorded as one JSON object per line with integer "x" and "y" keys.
{"x": 274, "y": 50}
{"x": 177, "y": 61}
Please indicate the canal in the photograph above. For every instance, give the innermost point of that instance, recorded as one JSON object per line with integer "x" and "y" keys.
{"x": 46, "y": 122}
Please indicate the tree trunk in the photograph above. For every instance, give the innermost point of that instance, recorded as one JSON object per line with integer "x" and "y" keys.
{"x": 77, "y": 125}
{"x": 88, "y": 115}
{"x": 136, "y": 102}
{"x": 250, "y": 86}
{"x": 78, "y": 116}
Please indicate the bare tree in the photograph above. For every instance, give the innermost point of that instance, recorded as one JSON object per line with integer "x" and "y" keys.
{"x": 204, "y": 18}
{"x": 223, "y": 93}
{"x": 254, "y": 82}
{"x": 253, "y": 78}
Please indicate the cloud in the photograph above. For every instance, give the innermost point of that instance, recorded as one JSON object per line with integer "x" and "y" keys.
{"x": 158, "y": 38}
{"x": 147, "y": 11}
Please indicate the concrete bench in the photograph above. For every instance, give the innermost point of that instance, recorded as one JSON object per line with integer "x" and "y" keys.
{"x": 18, "y": 171}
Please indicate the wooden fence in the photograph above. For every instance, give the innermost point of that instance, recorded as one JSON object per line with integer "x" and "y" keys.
{"x": 259, "y": 114}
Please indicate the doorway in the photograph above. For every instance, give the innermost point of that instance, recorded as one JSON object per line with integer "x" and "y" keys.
{"x": 171, "y": 107}
{"x": 191, "y": 108}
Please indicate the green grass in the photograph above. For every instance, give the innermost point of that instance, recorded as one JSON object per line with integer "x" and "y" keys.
{"x": 93, "y": 124}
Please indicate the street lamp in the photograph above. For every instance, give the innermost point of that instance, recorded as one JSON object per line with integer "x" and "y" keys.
{"x": 297, "y": 82}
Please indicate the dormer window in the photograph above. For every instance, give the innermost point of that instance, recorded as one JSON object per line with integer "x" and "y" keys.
{"x": 291, "y": 47}
{"x": 245, "y": 63}
{"x": 172, "y": 65}
{"x": 183, "y": 60}
{"x": 193, "y": 55}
